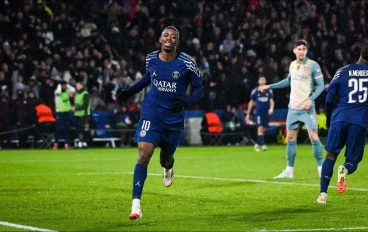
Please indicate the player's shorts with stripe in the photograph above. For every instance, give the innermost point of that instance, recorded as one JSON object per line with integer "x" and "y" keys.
{"x": 262, "y": 120}
{"x": 296, "y": 118}
{"x": 148, "y": 132}
{"x": 352, "y": 136}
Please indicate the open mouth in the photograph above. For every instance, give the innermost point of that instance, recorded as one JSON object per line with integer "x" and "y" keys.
{"x": 167, "y": 43}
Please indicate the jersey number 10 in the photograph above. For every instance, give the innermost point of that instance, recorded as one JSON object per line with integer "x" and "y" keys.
{"x": 358, "y": 86}
{"x": 146, "y": 125}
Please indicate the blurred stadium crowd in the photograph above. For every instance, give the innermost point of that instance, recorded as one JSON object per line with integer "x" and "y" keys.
{"x": 104, "y": 44}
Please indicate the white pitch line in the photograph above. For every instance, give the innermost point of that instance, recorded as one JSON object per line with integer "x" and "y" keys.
{"x": 182, "y": 176}
{"x": 18, "y": 226}
{"x": 251, "y": 181}
{"x": 321, "y": 229}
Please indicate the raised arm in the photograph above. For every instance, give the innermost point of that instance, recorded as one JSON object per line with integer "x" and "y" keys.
{"x": 123, "y": 94}
{"x": 141, "y": 84}
{"x": 281, "y": 84}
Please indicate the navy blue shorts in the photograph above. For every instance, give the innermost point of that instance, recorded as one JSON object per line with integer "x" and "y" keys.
{"x": 262, "y": 120}
{"x": 351, "y": 135}
{"x": 148, "y": 132}
{"x": 62, "y": 120}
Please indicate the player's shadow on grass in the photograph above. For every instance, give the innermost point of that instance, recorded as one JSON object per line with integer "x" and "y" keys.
{"x": 257, "y": 219}
{"x": 296, "y": 181}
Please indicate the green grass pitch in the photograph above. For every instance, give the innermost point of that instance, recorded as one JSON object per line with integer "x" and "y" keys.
{"x": 215, "y": 188}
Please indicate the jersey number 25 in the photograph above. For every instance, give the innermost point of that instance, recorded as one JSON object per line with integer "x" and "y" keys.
{"x": 358, "y": 86}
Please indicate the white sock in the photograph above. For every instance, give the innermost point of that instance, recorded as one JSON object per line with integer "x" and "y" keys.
{"x": 319, "y": 170}
{"x": 289, "y": 169}
{"x": 136, "y": 204}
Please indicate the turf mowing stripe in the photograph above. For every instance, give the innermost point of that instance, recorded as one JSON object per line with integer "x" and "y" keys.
{"x": 61, "y": 161}
{"x": 183, "y": 176}
{"x": 324, "y": 229}
{"x": 18, "y": 226}
{"x": 104, "y": 159}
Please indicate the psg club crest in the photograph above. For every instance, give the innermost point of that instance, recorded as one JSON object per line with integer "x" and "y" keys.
{"x": 143, "y": 133}
{"x": 175, "y": 74}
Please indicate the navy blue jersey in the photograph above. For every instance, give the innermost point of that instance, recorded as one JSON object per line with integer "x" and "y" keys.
{"x": 169, "y": 81}
{"x": 262, "y": 101}
{"x": 350, "y": 83}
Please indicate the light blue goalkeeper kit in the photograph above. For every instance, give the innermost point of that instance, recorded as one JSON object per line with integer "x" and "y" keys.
{"x": 306, "y": 82}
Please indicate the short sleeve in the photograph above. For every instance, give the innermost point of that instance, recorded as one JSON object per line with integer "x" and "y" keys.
{"x": 271, "y": 93}
{"x": 253, "y": 95}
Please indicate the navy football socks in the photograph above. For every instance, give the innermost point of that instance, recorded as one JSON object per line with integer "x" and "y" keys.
{"x": 327, "y": 171}
{"x": 172, "y": 164}
{"x": 351, "y": 166}
{"x": 260, "y": 140}
{"x": 139, "y": 177}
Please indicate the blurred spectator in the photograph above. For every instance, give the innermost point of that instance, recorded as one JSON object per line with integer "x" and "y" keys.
{"x": 33, "y": 86}
{"x": 96, "y": 101}
{"x": 17, "y": 85}
{"x": 47, "y": 92}
{"x": 3, "y": 80}
{"x": 231, "y": 124}
{"x": 210, "y": 98}
{"x": 230, "y": 120}
{"x": 229, "y": 44}
{"x": 124, "y": 123}
{"x": 21, "y": 117}
{"x": 136, "y": 114}
{"x": 139, "y": 96}
{"x": 32, "y": 102}
{"x": 110, "y": 92}
{"x": 4, "y": 115}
